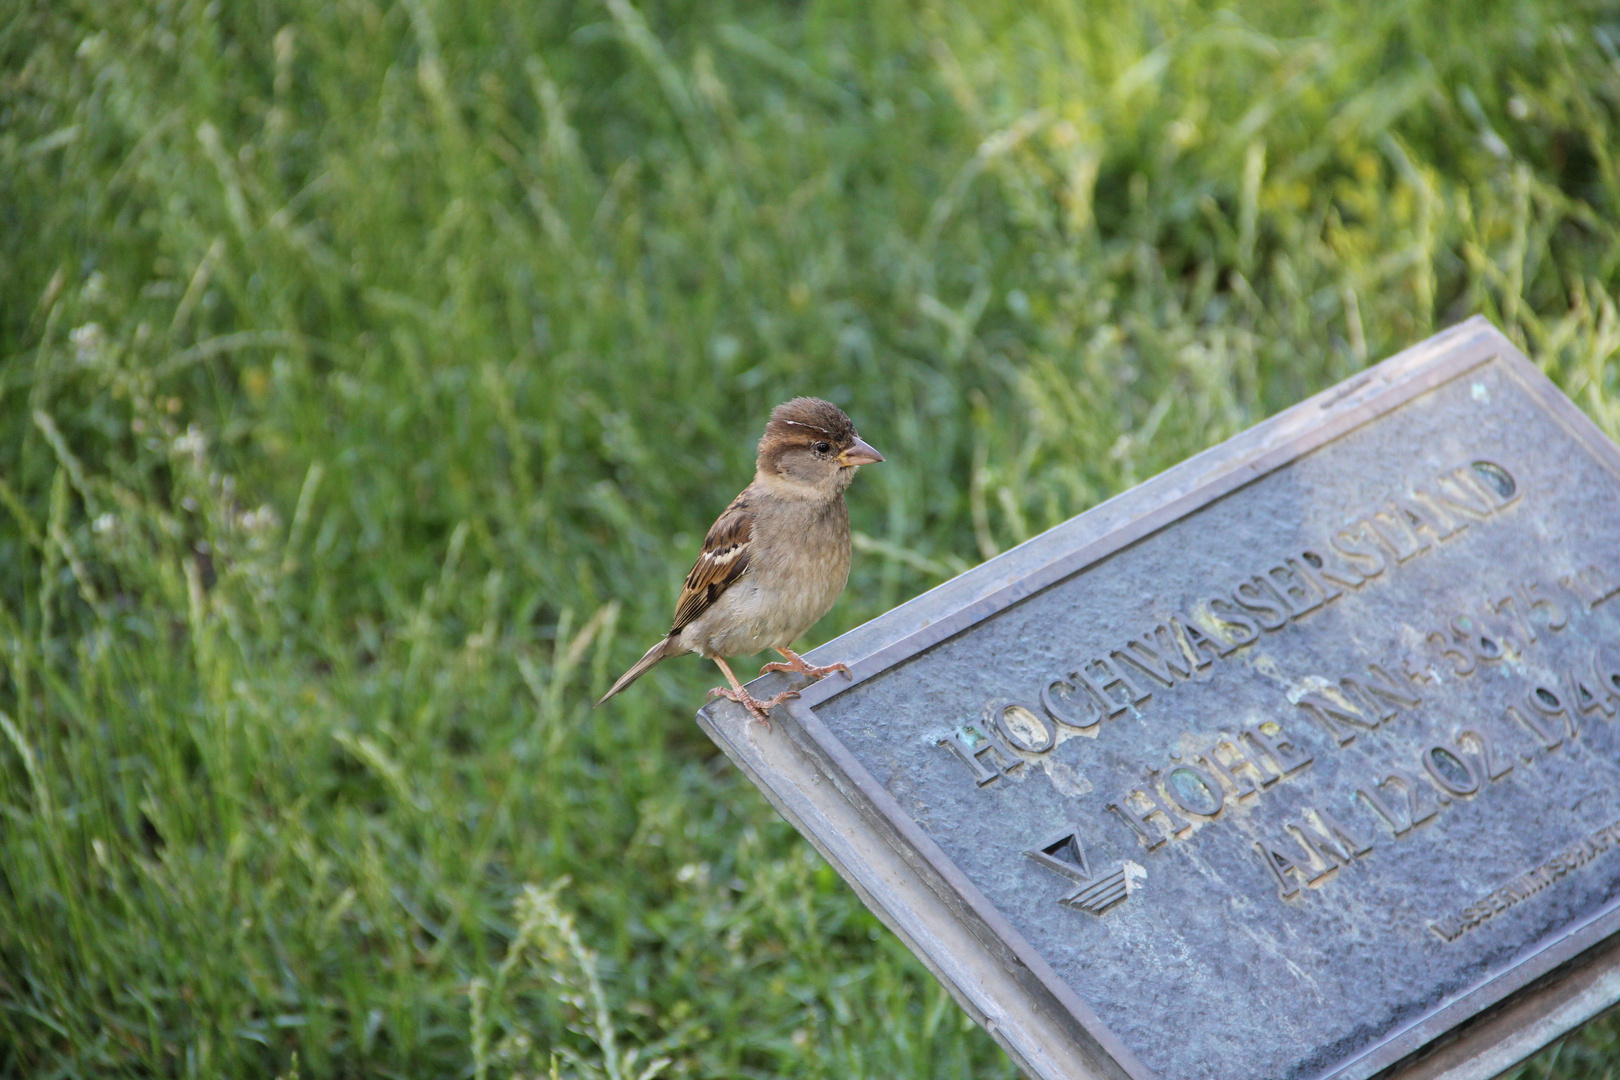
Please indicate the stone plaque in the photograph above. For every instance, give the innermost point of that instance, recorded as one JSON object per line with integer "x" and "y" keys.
{"x": 1300, "y": 760}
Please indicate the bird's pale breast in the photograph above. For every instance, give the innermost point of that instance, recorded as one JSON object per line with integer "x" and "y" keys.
{"x": 798, "y": 565}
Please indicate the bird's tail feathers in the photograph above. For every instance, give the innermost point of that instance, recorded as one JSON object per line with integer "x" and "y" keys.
{"x": 663, "y": 650}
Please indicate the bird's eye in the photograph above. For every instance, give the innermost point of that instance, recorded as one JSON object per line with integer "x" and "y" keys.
{"x": 823, "y": 447}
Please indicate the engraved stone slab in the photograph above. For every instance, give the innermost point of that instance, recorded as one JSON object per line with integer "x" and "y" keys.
{"x": 1299, "y": 760}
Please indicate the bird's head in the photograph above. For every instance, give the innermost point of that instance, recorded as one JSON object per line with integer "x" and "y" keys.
{"x": 810, "y": 444}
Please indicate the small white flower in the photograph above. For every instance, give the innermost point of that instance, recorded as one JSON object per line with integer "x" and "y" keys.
{"x": 89, "y": 343}
{"x": 263, "y": 519}
{"x": 95, "y": 288}
{"x": 192, "y": 443}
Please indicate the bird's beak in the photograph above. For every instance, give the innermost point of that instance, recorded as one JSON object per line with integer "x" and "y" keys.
{"x": 859, "y": 454}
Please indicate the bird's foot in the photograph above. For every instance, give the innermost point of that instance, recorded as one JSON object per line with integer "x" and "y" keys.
{"x": 803, "y": 667}
{"x": 760, "y": 709}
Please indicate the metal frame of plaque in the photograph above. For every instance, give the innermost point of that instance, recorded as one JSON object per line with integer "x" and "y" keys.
{"x": 1301, "y": 759}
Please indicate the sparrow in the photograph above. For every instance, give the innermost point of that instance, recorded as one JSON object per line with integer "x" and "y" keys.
{"x": 778, "y": 557}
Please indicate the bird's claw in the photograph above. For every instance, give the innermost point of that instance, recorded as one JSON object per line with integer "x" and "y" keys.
{"x": 804, "y": 667}
{"x": 760, "y": 709}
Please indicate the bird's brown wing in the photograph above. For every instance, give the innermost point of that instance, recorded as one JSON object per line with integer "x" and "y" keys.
{"x": 723, "y": 560}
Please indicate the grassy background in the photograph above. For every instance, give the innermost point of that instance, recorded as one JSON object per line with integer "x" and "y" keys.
{"x": 369, "y": 373}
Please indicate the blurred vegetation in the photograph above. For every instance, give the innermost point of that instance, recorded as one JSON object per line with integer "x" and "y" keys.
{"x": 370, "y": 372}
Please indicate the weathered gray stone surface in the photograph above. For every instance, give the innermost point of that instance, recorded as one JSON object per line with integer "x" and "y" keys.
{"x": 1451, "y": 513}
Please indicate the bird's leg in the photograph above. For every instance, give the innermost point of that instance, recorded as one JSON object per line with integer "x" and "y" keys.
{"x": 744, "y": 698}
{"x": 797, "y": 663}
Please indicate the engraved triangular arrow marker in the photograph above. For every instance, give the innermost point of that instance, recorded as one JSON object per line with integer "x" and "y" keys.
{"x": 1063, "y": 856}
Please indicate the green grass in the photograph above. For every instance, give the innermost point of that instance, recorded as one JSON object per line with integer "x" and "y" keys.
{"x": 370, "y": 373}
